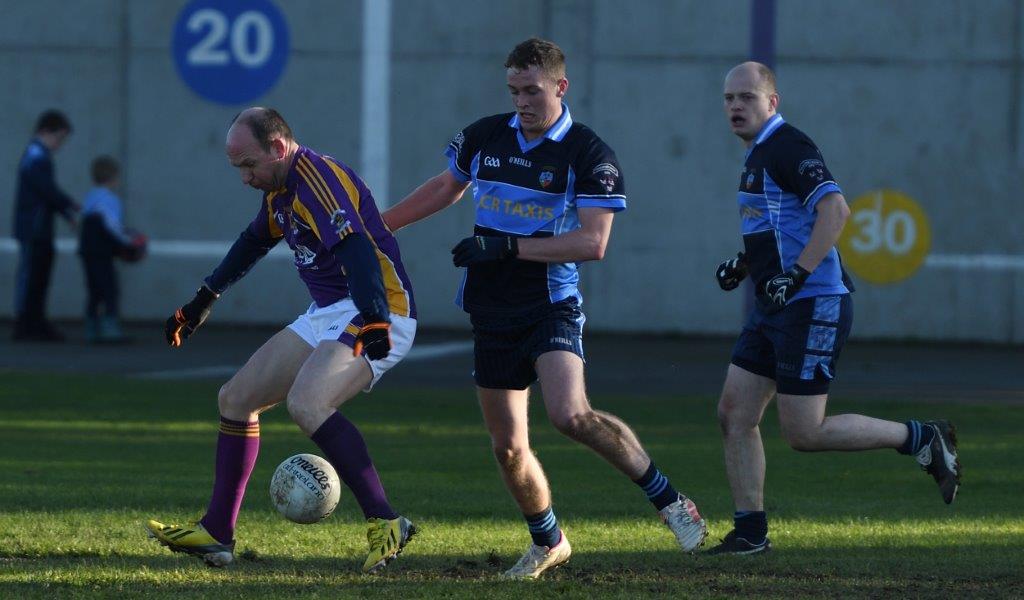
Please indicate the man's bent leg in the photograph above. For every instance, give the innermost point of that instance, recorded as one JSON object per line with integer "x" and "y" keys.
{"x": 505, "y": 415}
{"x": 331, "y": 377}
{"x": 561, "y": 379}
{"x": 261, "y": 383}
{"x": 806, "y": 428}
{"x": 933, "y": 443}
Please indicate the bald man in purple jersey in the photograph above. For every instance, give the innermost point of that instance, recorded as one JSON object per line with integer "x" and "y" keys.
{"x": 361, "y": 322}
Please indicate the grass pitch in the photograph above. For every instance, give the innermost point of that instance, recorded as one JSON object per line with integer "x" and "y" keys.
{"x": 85, "y": 460}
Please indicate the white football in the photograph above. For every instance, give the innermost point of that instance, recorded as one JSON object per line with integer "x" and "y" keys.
{"x": 305, "y": 488}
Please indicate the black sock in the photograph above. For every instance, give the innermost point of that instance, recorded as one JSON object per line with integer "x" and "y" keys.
{"x": 751, "y": 525}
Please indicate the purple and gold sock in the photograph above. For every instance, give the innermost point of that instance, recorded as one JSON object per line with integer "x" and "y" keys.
{"x": 238, "y": 444}
{"x": 346, "y": 450}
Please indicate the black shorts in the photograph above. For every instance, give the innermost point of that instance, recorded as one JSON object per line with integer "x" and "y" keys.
{"x": 798, "y": 346}
{"x": 506, "y": 347}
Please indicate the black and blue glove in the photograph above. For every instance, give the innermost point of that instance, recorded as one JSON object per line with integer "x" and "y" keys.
{"x": 732, "y": 272}
{"x": 781, "y": 288}
{"x": 479, "y": 248}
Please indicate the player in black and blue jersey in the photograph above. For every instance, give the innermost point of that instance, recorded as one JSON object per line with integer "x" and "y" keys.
{"x": 545, "y": 190}
{"x": 792, "y": 213}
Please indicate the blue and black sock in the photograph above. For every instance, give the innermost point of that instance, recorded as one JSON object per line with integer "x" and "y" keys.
{"x": 657, "y": 487}
{"x": 544, "y": 528}
{"x": 751, "y": 525}
{"x": 918, "y": 436}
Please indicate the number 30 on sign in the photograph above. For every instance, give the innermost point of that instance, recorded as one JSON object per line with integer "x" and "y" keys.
{"x": 886, "y": 238}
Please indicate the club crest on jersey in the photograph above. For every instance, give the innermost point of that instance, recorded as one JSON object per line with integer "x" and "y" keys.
{"x": 304, "y": 257}
{"x": 547, "y": 176}
{"x": 750, "y": 179}
{"x": 341, "y": 224}
{"x": 813, "y": 168}
{"x": 607, "y": 174}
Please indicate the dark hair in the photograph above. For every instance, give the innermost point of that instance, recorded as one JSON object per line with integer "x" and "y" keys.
{"x": 535, "y": 51}
{"x": 265, "y": 125}
{"x": 104, "y": 170}
{"x": 52, "y": 121}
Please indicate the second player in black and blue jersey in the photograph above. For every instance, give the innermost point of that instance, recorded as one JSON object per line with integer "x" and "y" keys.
{"x": 784, "y": 176}
{"x": 530, "y": 189}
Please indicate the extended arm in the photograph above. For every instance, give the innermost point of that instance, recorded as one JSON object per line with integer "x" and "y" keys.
{"x": 244, "y": 253}
{"x": 437, "y": 193}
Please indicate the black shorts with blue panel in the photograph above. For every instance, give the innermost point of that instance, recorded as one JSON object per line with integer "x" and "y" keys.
{"x": 797, "y": 346}
{"x": 506, "y": 347}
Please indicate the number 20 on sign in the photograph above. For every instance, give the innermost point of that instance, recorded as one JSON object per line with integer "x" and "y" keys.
{"x": 886, "y": 238}
{"x": 230, "y": 51}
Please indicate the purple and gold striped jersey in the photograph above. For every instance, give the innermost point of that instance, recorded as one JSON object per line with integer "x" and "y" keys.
{"x": 322, "y": 202}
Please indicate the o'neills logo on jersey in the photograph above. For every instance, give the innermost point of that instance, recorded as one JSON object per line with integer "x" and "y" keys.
{"x": 546, "y": 177}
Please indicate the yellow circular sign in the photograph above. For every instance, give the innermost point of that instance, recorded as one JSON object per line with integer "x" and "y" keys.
{"x": 886, "y": 237}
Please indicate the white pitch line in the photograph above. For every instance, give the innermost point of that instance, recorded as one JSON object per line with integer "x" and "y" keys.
{"x": 424, "y": 352}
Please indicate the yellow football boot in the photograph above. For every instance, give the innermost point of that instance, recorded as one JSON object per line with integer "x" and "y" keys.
{"x": 192, "y": 540}
{"x": 386, "y": 538}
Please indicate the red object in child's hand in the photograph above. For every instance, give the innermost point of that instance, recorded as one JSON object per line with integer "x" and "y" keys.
{"x": 136, "y": 250}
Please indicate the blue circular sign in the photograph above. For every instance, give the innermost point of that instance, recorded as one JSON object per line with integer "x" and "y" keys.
{"x": 230, "y": 51}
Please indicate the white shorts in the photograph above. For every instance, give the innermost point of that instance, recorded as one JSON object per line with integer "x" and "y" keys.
{"x": 340, "y": 322}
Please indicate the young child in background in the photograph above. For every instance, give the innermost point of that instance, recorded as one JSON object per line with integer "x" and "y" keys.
{"x": 102, "y": 238}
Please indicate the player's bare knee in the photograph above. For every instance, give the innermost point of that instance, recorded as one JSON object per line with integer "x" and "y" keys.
{"x": 573, "y": 425}
{"x": 732, "y": 417}
{"x": 229, "y": 400}
{"x": 302, "y": 410}
{"x": 801, "y": 439}
{"x": 510, "y": 457}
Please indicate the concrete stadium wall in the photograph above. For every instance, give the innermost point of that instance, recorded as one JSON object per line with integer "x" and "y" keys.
{"x": 918, "y": 96}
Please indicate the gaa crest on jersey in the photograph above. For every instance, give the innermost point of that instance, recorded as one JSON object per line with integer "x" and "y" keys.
{"x": 547, "y": 176}
{"x": 607, "y": 175}
{"x": 812, "y": 168}
{"x": 339, "y": 220}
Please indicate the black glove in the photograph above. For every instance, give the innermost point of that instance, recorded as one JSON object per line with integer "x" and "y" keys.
{"x": 478, "y": 249}
{"x": 374, "y": 340}
{"x": 188, "y": 318}
{"x": 781, "y": 288}
{"x": 732, "y": 272}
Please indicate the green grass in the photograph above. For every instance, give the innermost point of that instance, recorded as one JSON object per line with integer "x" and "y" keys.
{"x": 85, "y": 460}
